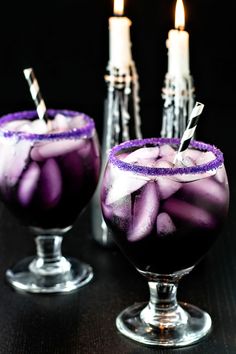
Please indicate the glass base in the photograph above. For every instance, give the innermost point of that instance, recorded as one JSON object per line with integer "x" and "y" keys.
{"x": 198, "y": 324}
{"x": 23, "y": 279}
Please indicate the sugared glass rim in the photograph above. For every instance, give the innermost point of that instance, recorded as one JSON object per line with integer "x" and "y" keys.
{"x": 154, "y": 171}
{"x": 84, "y": 132}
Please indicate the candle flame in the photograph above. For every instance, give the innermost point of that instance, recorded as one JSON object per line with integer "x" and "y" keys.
{"x": 118, "y": 7}
{"x": 179, "y": 15}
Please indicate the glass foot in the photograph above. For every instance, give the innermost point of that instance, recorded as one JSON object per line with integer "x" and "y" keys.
{"x": 22, "y": 278}
{"x": 198, "y": 324}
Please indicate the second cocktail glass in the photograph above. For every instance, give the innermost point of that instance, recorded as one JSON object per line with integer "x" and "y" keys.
{"x": 47, "y": 177}
{"x": 164, "y": 218}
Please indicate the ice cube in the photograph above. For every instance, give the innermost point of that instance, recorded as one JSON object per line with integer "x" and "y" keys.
{"x": 122, "y": 156}
{"x": 163, "y": 163}
{"x": 207, "y": 194}
{"x": 205, "y": 157}
{"x": 167, "y": 186}
{"x": 193, "y": 154}
{"x": 123, "y": 183}
{"x": 19, "y": 126}
{"x": 14, "y": 155}
{"x": 77, "y": 122}
{"x": 39, "y": 126}
{"x": 50, "y": 184}
{"x": 122, "y": 208}
{"x": 107, "y": 211}
{"x": 186, "y": 161}
{"x": 55, "y": 148}
{"x": 60, "y": 123}
{"x": 143, "y": 154}
{"x": 121, "y": 213}
{"x": 167, "y": 151}
{"x": 165, "y": 224}
{"x": 221, "y": 175}
{"x": 85, "y": 150}
{"x": 145, "y": 210}
{"x": 28, "y": 184}
{"x": 14, "y": 125}
{"x": 190, "y": 177}
{"x": 26, "y": 128}
{"x": 188, "y": 214}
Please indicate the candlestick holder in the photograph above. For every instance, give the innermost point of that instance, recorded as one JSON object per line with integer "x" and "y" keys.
{"x": 122, "y": 122}
{"x": 178, "y": 94}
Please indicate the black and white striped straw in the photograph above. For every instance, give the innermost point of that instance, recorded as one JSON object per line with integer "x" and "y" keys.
{"x": 189, "y": 131}
{"x": 36, "y": 94}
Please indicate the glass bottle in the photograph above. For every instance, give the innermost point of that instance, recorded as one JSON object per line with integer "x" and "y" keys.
{"x": 121, "y": 123}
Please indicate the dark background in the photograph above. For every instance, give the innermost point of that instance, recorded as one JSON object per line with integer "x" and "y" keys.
{"x": 66, "y": 42}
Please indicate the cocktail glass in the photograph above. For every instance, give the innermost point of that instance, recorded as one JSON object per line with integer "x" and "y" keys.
{"x": 165, "y": 218}
{"x": 48, "y": 173}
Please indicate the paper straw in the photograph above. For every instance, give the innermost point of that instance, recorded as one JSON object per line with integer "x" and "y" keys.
{"x": 36, "y": 94}
{"x": 189, "y": 131}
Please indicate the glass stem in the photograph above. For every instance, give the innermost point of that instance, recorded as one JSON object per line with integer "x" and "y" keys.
{"x": 163, "y": 310}
{"x": 49, "y": 260}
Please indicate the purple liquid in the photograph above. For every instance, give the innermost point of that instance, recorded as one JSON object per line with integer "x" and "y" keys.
{"x": 163, "y": 223}
{"x": 47, "y": 182}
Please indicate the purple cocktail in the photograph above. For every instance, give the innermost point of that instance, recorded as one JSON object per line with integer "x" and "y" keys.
{"x": 164, "y": 217}
{"x": 48, "y": 173}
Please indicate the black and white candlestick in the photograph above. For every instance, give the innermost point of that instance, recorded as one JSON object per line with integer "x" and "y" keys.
{"x": 122, "y": 120}
{"x": 178, "y": 90}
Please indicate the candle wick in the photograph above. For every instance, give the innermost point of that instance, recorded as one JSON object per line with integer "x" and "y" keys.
{"x": 180, "y": 28}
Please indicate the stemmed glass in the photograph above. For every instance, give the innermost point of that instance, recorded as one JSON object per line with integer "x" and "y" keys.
{"x": 48, "y": 173}
{"x": 164, "y": 217}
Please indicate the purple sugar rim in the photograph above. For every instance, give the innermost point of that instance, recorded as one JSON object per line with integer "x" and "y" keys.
{"x": 86, "y": 131}
{"x": 153, "y": 171}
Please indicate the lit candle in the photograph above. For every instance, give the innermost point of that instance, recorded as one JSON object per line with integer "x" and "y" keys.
{"x": 178, "y": 45}
{"x": 120, "y": 44}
